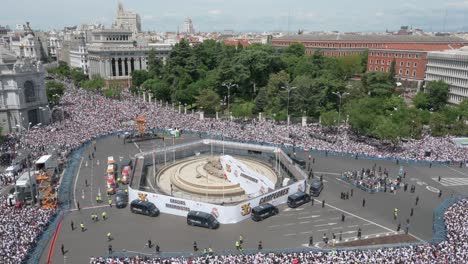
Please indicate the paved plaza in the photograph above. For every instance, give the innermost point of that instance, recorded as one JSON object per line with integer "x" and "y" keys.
{"x": 291, "y": 228}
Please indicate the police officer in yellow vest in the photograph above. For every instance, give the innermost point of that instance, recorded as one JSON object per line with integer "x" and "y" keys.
{"x": 104, "y": 215}
{"x": 237, "y": 245}
{"x": 82, "y": 227}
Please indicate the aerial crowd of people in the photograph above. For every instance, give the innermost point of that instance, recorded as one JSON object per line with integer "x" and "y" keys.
{"x": 19, "y": 228}
{"x": 88, "y": 115}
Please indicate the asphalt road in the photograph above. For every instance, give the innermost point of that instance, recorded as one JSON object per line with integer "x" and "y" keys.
{"x": 291, "y": 228}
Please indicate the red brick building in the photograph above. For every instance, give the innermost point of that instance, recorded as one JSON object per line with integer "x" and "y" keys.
{"x": 353, "y": 44}
{"x": 411, "y": 59}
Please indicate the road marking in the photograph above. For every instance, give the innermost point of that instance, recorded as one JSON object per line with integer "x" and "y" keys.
{"x": 327, "y": 224}
{"x": 273, "y": 226}
{"x": 322, "y": 230}
{"x": 462, "y": 173}
{"x": 291, "y": 234}
{"x": 452, "y": 181}
{"x": 334, "y": 218}
{"x": 432, "y": 189}
{"x": 319, "y": 220}
{"x": 304, "y": 213}
{"x": 290, "y": 224}
{"x": 367, "y": 224}
{"x": 138, "y": 147}
{"x": 307, "y": 232}
{"x": 89, "y": 207}
{"x": 381, "y": 226}
{"x": 305, "y": 222}
{"x": 351, "y": 226}
{"x": 76, "y": 180}
{"x": 335, "y": 228}
{"x": 310, "y": 216}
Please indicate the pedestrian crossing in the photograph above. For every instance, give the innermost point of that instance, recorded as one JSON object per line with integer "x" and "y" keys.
{"x": 452, "y": 181}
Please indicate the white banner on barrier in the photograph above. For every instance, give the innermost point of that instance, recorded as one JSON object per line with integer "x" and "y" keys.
{"x": 224, "y": 214}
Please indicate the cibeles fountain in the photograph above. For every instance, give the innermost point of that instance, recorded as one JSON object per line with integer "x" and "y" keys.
{"x": 219, "y": 179}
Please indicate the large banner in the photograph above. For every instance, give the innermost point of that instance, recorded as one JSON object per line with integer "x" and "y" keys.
{"x": 224, "y": 214}
{"x": 253, "y": 183}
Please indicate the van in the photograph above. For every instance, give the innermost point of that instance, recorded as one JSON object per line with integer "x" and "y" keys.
{"x": 121, "y": 199}
{"x": 202, "y": 219}
{"x": 263, "y": 211}
{"x": 298, "y": 199}
{"x": 316, "y": 188}
{"x": 144, "y": 207}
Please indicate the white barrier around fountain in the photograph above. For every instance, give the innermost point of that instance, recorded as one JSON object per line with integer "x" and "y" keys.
{"x": 224, "y": 214}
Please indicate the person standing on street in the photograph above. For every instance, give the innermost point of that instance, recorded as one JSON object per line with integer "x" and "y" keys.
{"x": 359, "y": 233}
{"x": 109, "y": 248}
{"x": 63, "y": 249}
{"x": 342, "y": 217}
{"x": 395, "y": 213}
{"x": 195, "y": 246}
{"x": 72, "y": 225}
{"x": 157, "y": 249}
{"x": 363, "y": 202}
{"x": 417, "y": 200}
{"x": 440, "y": 193}
{"x": 260, "y": 246}
{"x": 323, "y": 203}
{"x": 82, "y": 227}
{"x": 311, "y": 241}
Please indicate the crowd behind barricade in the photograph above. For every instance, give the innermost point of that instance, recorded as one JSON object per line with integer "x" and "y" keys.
{"x": 453, "y": 250}
{"x": 19, "y": 228}
{"x": 372, "y": 180}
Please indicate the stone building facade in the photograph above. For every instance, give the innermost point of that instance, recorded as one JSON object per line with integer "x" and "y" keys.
{"x": 23, "y": 99}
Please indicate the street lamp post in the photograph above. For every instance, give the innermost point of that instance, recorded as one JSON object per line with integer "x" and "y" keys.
{"x": 289, "y": 89}
{"x": 228, "y": 86}
{"x": 340, "y": 95}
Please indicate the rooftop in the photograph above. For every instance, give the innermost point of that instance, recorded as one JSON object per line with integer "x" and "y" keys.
{"x": 355, "y": 37}
{"x": 419, "y": 47}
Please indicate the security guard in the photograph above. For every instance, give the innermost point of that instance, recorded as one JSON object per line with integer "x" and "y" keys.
{"x": 237, "y": 245}
{"x": 82, "y": 227}
{"x": 104, "y": 215}
{"x": 210, "y": 251}
{"x": 395, "y": 213}
{"x": 109, "y": 236}
{"x": 205, "y": 251}
{"x": 241, "y": 239}
{"x": 98, "y": 199}
{"x": 110, "y": 202}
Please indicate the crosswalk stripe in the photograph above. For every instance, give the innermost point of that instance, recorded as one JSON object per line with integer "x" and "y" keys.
{"x": 452, "y": 181}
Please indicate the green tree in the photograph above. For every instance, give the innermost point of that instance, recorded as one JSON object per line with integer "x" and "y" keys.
{"x": 261, "y": 101}
{"x": 155, "y": 66}
{"x": 54, "y": 90}
{"x": 392, "y": 73}
{"x": 114, "y": 91}
{"x": 159, "y": 88}
{"x": 420, "y": 101}
{"x": 437, "y": 94}
{"x": 95, "y": 84}
{"x": 295, "y": 49}
{"x": 78, "y": 76}
{"x": 242, "y": 109}
{"x": 364, "y": 57}
{"x": 209, "y": 100}
{"x": 329, "y": 118}
{"x": 387, "y": 130}
{"x": 139, "y": 77}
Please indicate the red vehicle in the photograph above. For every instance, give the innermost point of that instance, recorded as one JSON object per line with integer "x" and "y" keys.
{"x": 110, "y": 183}
{"x": 125, "y": 175}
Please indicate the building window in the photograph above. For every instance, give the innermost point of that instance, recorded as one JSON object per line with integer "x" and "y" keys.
{"x": 383, "y": 61}
{"x": 415, "y": 64}
{"x": 407, "y": 72}
{"x": 414, "y": 73}
{"x": 376, "y": 68}
{"x": 370, "y": 62}
{"x": 409, "y": 56}
{"x": 408, "y": 64}
{"x": 416, "y": 56}
{"x": 381, "y": 69}
{"x": 29, "y": 94}
{"x": 400, "y": 71}
{"x": 401, "y": 63}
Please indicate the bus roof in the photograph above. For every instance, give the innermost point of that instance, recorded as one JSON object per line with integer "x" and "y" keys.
{"x": 43, "y": 159}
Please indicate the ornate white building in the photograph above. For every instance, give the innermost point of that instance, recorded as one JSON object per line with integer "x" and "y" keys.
{"x": 79, "y": 54}
{"x": 113, "y": 55}
{"x": 23, "y": 100}
{"x": 54, "y": 44}
{"x": 127, "y": 20}
{"x": 451, "y": 66}
{"x": 188, "y": 26}
{"x": 28, "y": 41}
